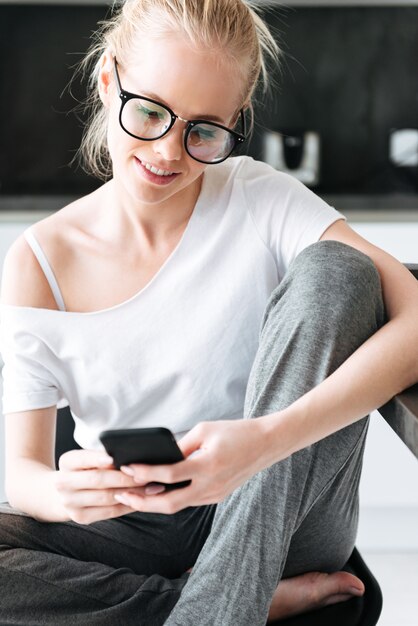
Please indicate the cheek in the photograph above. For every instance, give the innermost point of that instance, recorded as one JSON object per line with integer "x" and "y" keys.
{"x": 194, "y": 170}
{"x": 118, "y": 141}
{"x": 113, "y": 140}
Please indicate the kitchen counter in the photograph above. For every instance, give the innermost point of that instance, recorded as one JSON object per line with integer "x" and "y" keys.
{"x": 401, "y": 413}
{"x": 359, "y": 216}
{"x": 31, "y": 208}
{"x": 399, "y": 208}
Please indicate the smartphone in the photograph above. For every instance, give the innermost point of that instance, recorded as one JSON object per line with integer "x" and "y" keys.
{"x": 153, "y": 446}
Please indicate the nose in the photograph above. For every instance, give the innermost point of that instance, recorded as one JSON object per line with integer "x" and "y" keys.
{"x": 170, "y": 147}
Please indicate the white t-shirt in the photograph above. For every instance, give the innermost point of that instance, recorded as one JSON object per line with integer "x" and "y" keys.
{"x": 180, "y": 350}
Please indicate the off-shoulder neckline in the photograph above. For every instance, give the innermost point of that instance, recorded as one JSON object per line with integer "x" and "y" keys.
{"x": 186, "y": 234}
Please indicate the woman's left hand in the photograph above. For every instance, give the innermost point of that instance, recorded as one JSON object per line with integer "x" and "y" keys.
{"x": 219, "y": 457}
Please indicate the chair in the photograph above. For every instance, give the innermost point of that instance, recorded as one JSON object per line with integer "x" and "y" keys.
{"x": 401, "y": 413}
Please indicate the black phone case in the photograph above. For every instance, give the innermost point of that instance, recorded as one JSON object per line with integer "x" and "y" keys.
{"x": 153, "y": 446}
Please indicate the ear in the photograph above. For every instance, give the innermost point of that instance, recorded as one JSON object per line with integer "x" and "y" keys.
{"x": 105, "y": 77}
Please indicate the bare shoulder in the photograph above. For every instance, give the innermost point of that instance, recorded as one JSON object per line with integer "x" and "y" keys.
{"x": 23, "y": 280}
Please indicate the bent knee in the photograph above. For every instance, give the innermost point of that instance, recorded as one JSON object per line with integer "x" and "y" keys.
{"x": 329, "y": 286}
{"x": 336, "y": 264}
{"x": 337, "y": 278}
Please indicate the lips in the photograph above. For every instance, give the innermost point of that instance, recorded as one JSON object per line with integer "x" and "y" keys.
{"x": 156, "y": 170}
{"x": 155, "y": 174}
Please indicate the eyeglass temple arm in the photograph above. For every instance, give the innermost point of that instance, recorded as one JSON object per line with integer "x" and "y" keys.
{"x": 244, "y": 124}
{"x": 116, "y": 73}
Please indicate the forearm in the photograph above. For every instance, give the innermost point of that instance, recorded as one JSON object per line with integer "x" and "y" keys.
{"x": 379, "y": 369}
{"x": 31, "y": 489}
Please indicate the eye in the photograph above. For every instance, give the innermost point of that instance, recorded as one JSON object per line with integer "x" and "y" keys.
{"x": 205, "y": 133}
{"x": 150, "y": 113}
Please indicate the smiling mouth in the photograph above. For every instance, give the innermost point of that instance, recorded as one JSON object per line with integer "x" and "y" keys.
{"x": 156, "y": 170}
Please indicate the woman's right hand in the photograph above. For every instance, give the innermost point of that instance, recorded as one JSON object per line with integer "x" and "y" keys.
{"x": 86, "y": 484}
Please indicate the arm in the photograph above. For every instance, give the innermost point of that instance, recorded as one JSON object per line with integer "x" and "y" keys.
{"x": 29, "y": 465}
{"x": 82, "y": 489}
{"x": 29, "y": 435}
{"x": 85, "y": 484}
{"x": 383, "y": 366}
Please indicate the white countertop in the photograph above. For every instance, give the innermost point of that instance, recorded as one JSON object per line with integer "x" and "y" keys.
{"x": 358, "y": 215}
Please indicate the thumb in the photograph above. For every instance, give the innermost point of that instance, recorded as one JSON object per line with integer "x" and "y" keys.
{"x": 191, "y": 442}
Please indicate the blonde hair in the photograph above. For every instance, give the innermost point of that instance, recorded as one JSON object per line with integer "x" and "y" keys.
{"x": 230, "y": 26}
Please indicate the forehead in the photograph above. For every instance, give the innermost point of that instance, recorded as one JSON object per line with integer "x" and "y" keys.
{"x": 189, "y": 80}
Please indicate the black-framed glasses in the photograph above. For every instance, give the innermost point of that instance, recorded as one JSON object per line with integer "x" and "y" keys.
{"x": 146, "y": 119}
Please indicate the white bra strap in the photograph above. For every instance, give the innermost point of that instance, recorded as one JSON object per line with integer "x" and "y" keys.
{"x": 43, "y": 262}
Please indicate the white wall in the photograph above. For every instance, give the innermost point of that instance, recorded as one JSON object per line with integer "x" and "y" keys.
{"x": 388, "y": 493}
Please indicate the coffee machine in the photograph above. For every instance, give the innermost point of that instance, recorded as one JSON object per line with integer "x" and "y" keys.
{"x": 294, "y": 152}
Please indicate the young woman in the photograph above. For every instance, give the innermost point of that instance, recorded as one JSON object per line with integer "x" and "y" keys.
{"x": 193, "y": 291}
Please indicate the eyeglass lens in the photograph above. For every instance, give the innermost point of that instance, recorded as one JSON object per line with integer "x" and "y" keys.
{"x": 149, "y": 120}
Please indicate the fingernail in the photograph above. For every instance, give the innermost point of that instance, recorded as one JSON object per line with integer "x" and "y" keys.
{"x": 356, "y": 591}
{"x": 151, "y": 490}
{"x": 122, "y": 499}
{"x": 127, "y": 470}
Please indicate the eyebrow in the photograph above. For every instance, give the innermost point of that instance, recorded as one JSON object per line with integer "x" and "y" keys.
{"x": 208, "y": 117}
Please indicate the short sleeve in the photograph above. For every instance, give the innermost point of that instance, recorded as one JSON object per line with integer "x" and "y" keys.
{"x": 28, "y": 382}
{"x": 286, "y": 214}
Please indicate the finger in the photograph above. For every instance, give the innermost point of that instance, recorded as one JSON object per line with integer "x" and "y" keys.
{"x": 166, "y": 502}
{"x": 84, "y": 459}
{"x": 89, "y": 515}
{"x": 89, "y": 498}
{"x": 92, "y": 479}
{"x": 169, "y": 473}
{"x": 191, "y": 442}
{"x": 129, "y": 471}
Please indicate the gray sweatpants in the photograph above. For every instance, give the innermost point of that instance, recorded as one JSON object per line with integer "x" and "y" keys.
{"x": 298, "y": 515}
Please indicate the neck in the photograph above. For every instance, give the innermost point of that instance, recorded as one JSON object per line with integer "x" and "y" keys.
{"x": 126, "y": 219}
